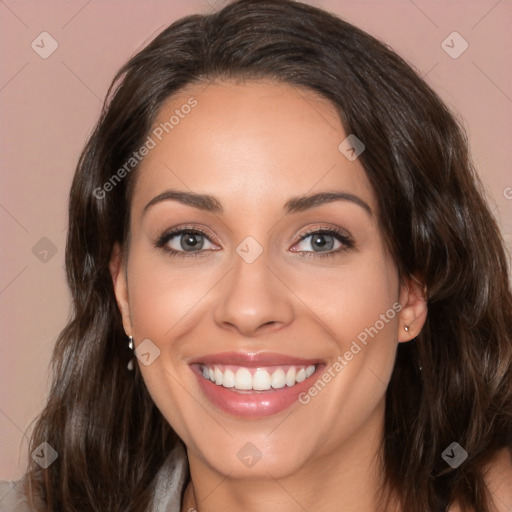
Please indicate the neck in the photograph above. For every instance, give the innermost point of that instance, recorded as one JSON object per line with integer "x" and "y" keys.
{"x": 345, "y": 477}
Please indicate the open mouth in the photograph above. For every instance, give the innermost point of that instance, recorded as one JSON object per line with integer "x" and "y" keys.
{"x": 246, "y": 380}
{"x": 254, "y": 385}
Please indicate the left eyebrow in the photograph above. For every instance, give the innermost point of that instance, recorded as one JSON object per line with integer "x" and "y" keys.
{"x": 294, "y": 204}
{"x": 301, "y": 203}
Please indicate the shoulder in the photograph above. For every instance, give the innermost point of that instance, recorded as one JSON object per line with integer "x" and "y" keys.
{"x": 13, "y": 497}
{"x": 498, "y": 477}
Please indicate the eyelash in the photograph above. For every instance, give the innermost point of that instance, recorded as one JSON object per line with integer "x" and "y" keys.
{"x": 336, "y": 233}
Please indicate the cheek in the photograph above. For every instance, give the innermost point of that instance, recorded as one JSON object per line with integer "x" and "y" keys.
{"x": 160, "y": 298}
{"x": 357, "y": 307}
{"x": 162, "y": 293}
{"x": 350, "y": 298}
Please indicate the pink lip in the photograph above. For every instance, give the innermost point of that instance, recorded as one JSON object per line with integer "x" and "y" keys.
{"x": 257, "y": 403}
{"x": 253, "y": 359}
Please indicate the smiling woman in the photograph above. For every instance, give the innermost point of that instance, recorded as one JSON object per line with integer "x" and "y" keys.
{"x": 296, "y": 297}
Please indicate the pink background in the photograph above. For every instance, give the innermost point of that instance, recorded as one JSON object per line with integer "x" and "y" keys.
{"x": 49, "y": 107}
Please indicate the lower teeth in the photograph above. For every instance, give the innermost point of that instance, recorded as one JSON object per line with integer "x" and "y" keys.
{"x": 251, "y": 391}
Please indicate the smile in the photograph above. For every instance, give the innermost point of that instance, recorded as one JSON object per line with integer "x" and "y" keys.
{"x": 253, "y": 385}
{"x": 256, "y": 379}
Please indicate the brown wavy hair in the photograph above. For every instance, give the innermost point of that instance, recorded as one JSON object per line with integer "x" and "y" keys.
{"x": 111, "y": 438}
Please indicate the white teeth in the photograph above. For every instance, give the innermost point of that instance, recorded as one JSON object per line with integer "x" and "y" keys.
{"x": 228, "y": 381}
{"x": 243, "y": 379}
{"x": 278, "y": 379}
{"x": 262, "y": 379}
{"x": 290, "y": 377}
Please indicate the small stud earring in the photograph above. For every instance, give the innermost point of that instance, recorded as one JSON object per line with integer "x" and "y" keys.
{"x": 130, "y": 346}
{"x": 406, "y": 328}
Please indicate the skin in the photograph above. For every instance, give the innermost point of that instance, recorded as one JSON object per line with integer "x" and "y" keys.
{"x": 253, "y": 146}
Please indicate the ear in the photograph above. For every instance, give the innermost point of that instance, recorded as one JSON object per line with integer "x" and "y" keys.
{"x": 413, "y": 298}
{"x": 118, "y": 272}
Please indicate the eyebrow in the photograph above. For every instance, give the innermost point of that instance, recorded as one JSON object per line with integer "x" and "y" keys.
{"x": 211, "y": 204}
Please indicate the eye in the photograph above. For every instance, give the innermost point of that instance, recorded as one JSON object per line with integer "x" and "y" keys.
{"x": 187, "y": 242}
{"x": 328, "y": 241}
{"x": 184, "y": 240}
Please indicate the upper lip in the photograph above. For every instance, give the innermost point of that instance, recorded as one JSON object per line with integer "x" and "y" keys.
{"x": 253, "y": 359}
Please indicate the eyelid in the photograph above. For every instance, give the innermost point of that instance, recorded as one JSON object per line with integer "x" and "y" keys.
{"x": 179, "y": 230}
{"x": 331, "y": 230}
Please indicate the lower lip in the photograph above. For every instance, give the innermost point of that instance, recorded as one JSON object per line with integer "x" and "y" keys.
{"x": 257, "y": 404}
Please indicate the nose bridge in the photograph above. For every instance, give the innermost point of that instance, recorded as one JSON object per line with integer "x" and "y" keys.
{"x": 252, "y": 295}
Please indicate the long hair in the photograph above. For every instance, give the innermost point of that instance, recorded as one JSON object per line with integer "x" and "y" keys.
{"x": 110, "y": 437}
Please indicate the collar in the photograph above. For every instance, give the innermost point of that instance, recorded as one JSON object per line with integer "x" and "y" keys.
{"x": 170, "y": 481}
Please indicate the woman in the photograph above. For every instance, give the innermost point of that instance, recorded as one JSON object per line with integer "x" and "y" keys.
{"x": 288, "y": 290}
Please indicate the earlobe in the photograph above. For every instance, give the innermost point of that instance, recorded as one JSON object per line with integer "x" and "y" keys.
{"x": 413, "y": 298}
{"x": 118, "y": 274}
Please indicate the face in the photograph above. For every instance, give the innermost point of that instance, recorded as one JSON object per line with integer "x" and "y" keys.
{"x": 266, "y": 322}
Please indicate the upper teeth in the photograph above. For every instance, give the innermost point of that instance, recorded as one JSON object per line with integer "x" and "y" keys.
{"x": 258, "y": 379}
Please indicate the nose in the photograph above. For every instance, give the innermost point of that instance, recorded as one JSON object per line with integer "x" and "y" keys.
{"x": 254, "y": 299}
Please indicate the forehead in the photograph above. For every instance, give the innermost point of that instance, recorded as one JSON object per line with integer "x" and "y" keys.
{"x": 255, "y": 143}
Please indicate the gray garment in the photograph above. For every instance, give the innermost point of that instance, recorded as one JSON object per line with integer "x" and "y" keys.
{"x": 169, "y": 485}
{"x": 170, "y": 481}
